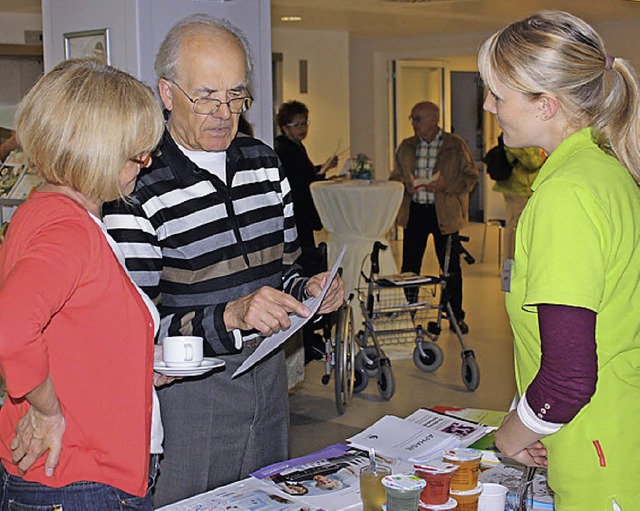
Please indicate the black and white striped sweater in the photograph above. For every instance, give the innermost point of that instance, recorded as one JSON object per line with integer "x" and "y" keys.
{"x": 193, "y": 244}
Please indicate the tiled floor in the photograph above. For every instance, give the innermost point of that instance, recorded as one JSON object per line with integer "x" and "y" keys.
{"x": 315, "y": 422}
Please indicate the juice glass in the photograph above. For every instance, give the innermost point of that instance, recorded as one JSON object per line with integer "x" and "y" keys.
{"x": 372, "y": 491}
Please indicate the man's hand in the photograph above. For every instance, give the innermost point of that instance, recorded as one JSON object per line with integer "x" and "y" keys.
{"x": 37, "y": 433}
{"x": 438, "y": 186}
{"x": 266, "y": 310}
{"x": 334, "y": 297}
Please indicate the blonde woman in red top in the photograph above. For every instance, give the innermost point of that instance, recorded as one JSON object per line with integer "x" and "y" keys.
{"x": 76, "y": 335}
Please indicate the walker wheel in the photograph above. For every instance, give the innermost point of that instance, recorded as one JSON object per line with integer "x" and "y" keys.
{"x": 370, "y": 360}
{"x": 470, "y": 370}
{"x": 386, "y": 385}
{"x": 432, "y": 358}
{"x": 360, "y": 380}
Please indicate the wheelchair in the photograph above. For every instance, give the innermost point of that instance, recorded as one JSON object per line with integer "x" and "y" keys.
{"x": 339, "y": 352}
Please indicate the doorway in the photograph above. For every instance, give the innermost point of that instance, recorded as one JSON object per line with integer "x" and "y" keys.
{"x": 414, "y": 81}
{"x": 467, "y": 121}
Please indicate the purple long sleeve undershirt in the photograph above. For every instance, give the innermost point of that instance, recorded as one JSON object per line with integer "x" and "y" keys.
{"x": 568, "y": 370}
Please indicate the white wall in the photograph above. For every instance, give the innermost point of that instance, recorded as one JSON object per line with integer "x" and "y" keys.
{"x": 13, "y": 25}
{"x": 18, "y": 73}
{"x": 327, "y": 53}
{"x": 137, "y": 28}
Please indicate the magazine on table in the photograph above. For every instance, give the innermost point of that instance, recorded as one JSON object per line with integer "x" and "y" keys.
{"x": 405, "y": 439}
{"x": 467, "y": 431}
{"x": 327, "y": 479}
{"x": 491, "y": 418}
{"x": 246, "y": 495}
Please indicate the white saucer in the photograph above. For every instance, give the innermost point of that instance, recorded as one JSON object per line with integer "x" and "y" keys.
{"x": 208, "y": 363}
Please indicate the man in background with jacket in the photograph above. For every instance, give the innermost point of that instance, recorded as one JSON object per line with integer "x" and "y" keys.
{"x": 439, "y": 207}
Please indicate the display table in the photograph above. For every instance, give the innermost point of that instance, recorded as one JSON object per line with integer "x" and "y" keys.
{"x": 357, "y": 213}
{"x": 328, "y": 479}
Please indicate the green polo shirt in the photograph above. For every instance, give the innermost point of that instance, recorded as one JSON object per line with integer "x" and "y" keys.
{"x": 578, "y": 244}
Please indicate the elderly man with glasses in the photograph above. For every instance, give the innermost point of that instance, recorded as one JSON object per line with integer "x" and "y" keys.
{"x": 209, "y": 234}
{"x": 438, "y": 173}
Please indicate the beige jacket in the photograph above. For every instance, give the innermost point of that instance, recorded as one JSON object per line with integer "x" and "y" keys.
{"x": 456, "y": 166}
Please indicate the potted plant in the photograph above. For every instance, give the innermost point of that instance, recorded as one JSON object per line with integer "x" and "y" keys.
{"x": 361, "y": 167}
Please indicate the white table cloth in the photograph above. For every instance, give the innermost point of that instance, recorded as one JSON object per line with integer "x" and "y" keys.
{"x": 357, "y": 213}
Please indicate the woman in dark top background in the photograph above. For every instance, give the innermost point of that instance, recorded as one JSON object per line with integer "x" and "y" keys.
{"x": 293, "y": 121}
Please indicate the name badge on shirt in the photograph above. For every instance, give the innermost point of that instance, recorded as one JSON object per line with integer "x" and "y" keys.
{"x": 505, "y": 282}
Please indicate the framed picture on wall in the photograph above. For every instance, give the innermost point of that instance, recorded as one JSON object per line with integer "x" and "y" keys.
{"x": 88, "y": 43}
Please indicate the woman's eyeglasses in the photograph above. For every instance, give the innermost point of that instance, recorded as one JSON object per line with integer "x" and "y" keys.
{"x": 299, "y": 124}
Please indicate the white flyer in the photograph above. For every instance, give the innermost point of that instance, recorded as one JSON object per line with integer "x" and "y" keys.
{"x": 271, "y": 342}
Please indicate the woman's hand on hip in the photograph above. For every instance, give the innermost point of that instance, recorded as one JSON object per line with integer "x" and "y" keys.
{"x": 37, "y": 433}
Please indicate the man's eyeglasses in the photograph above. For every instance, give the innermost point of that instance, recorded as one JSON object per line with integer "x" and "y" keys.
{"x": 419, "y": 118}
{"x": 143, "y": 162}
{"x": 298, "y": 124}
{"x": 208, "y": 106}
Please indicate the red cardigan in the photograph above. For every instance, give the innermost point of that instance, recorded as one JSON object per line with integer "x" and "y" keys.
{"x": 68, "y": 309}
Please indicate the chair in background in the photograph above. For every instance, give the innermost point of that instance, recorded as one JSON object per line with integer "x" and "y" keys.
{"x": 500, "y": 223}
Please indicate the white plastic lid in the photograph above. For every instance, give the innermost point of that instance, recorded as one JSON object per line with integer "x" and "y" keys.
{"x": 473, "y": 491}
{"x": 403, "y": 482}
{"x": 449, "y": 504}
{"x": 462, "y": 455}
{"x": 436, "y": 467}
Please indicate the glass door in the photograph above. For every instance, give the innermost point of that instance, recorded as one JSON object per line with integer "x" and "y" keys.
{"x": 413, "y": 81}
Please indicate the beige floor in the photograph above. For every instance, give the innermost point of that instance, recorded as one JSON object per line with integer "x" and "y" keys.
{"x": 315, "y": 422}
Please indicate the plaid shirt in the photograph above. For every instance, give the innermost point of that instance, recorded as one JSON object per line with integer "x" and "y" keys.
{"x": 426, "y": 155}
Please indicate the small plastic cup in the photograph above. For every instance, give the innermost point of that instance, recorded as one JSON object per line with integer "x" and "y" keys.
{"x": 467, "y": 499}
{"x": 403, "y": 491}
{"x": 438, "y": 475}
{"x": 468, "y": 461}
{"x": 372, "y": 491}
{"x": 447, "y": 506}
{"x": 493, "y": 497}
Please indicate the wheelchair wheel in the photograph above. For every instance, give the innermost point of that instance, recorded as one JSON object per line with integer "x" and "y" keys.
{"x": 386, "y": 385}
{"x": 432, "y": 358}
{"x": 344, "y": 357}
{"x": 370, "y": 361}
{"x": 470, "y": 370}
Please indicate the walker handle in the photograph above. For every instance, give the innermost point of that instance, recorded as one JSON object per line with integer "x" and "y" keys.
{"x": 375, "y": 260}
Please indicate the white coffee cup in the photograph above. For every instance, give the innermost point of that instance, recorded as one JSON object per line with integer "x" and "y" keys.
{"x": 182, "y": 351}
{"x": 493, "y": 497}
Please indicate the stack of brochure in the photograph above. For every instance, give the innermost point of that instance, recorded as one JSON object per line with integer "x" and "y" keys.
{"x": 421, "y": 437}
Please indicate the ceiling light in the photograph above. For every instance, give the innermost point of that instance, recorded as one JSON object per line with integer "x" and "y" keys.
{"x": 294, "y": 18}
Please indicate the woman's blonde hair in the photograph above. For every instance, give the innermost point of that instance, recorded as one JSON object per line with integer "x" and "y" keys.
{"x": 556, "y": 53}
{"x": 82, "y": 122}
